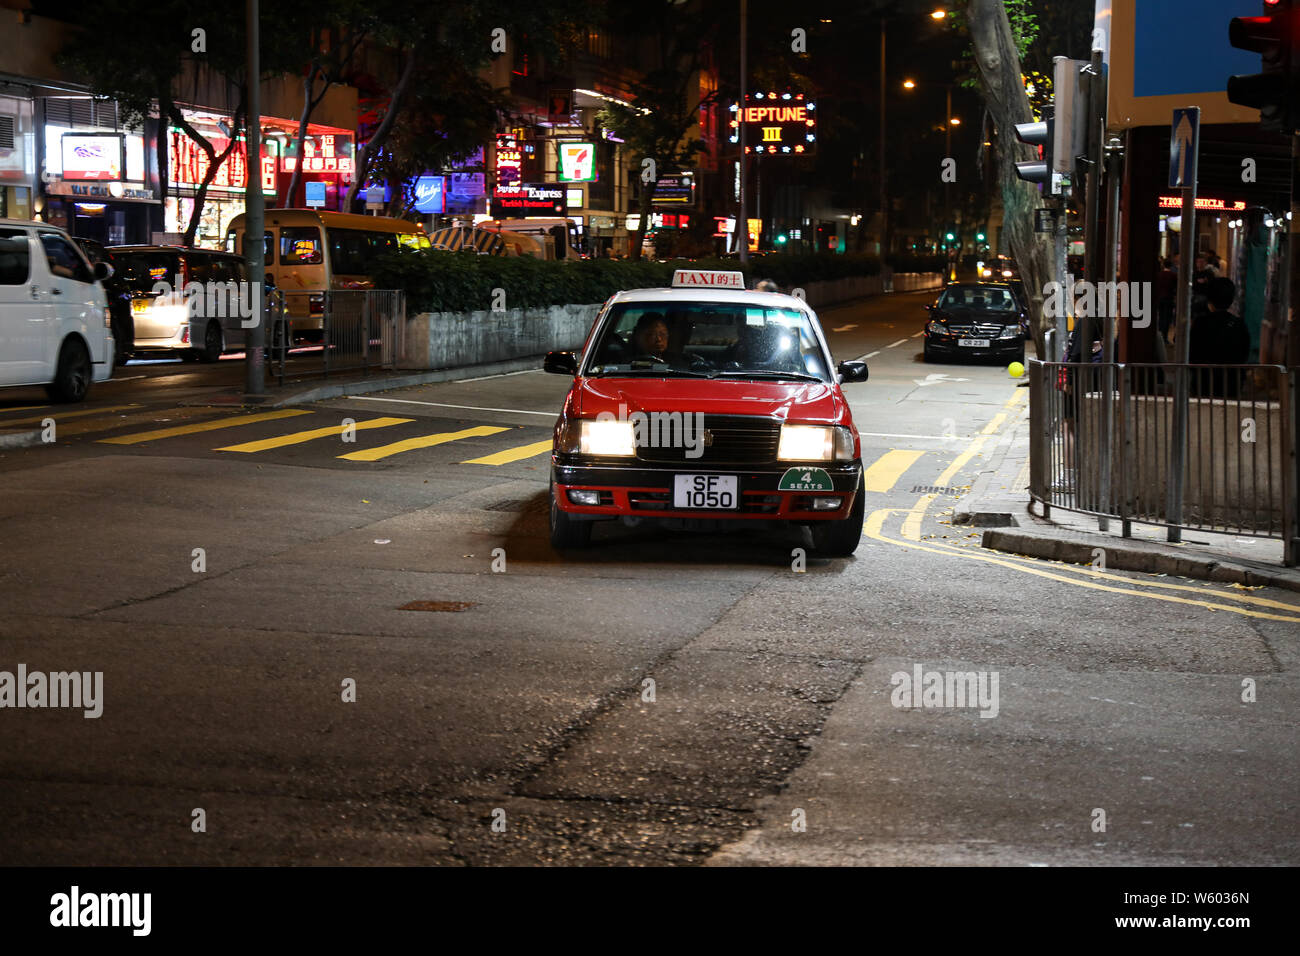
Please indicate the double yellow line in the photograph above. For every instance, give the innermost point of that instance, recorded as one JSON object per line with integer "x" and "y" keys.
{"x": 1161, "y": 590}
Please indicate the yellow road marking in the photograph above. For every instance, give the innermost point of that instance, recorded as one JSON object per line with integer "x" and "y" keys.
{"x": 89, "y": 425}
{"x": 512, "y": 454}
{"x": 1094, "y": 573}
{"x": 888, "y": 468}
{"x": 59, "y": 416}
{"x": 297, "y": 438}
{"x": 875, "y": 523}
{"x": 994, "y": 424}
{"x": 424, "y": 441}
{"x": 232, "y": 422}
{"x": 22, "y": 408}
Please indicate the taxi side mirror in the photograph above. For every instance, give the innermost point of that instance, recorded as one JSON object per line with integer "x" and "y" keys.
{"x": 562, "y": 363}
{"x": 102, "y": 271}
{"x": 853, "y": 371}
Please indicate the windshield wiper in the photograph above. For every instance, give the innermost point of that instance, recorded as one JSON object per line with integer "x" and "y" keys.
{"x": 664, "y": 370}
{"x": 767, "y": 373}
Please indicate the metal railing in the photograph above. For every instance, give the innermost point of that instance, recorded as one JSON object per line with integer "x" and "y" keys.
{"x": 1209, "y": 447}
{"x": 339, "y": 330}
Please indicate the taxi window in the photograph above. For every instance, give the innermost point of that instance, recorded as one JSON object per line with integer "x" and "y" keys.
{"x": 705, "y": 338}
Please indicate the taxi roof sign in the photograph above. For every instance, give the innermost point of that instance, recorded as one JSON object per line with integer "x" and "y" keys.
{"x": 707, "y": 279}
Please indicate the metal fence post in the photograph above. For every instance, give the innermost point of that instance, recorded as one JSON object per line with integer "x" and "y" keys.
{"x": 1178, "y": 456}
{"x": 1290, "y": 470}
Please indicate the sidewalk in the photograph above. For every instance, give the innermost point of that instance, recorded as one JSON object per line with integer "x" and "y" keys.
{"x": 999, "y": 500}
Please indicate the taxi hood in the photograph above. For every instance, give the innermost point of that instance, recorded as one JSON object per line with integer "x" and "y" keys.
{"x": 817, "y": 402}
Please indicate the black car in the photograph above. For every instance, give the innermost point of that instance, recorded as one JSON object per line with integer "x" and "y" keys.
{"x": 977, "y": 319}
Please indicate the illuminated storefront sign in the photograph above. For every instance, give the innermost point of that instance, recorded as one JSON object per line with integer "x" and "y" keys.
{"x": 678, "y": 190}
{"x": 92, "y": 157}
{"x": 188, "y": 164}
{"x": 431, "y": 194}
{"x": 776, "y": 124}
{"x": 323, "y": 153}
{"x": 577, "y": 162}
{"x": 1204, "y": 202}
{"x": 529, "y": 199}
{"x": 510, "y": 162}
{"x": 659, "y": 220}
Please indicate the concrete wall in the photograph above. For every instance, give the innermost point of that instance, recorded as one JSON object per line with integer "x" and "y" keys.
{"x": 452, "y": 339}
{"x": 435, "y": 340}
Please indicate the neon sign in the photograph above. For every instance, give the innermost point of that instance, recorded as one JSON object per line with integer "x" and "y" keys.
{"x": 1204, "y": 202}
{"x": 776, "y": 124}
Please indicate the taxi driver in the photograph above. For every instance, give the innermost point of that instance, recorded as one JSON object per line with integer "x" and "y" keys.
{"x": 650, "y": 337}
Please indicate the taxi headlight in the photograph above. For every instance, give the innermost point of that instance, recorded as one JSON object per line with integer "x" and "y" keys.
{"x": 586, "y": 436}
{"x": 815, "y": 443}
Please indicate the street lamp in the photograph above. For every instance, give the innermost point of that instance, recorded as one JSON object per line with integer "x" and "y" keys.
{"x": 909, "y": 84}
{"x": 938, "y": 14}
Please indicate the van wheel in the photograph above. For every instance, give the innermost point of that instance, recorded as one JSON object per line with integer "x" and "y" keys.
{"x": 566, "y": 532}
{"x": 72, "y": 376}
{"x": 839, "y": 539}
{"x": 212, "y": 343}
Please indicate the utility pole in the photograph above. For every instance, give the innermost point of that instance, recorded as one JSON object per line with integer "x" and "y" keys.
{"x": 254, "y": 212}
{"x": 884, "y": 209}
{"x": 742, "y": 223}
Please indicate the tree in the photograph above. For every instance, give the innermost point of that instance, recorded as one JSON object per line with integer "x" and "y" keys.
{"x": 997, "y": 60}
{"x": 449, "y": 39}
{"x": 666, "y": 102}
{"x": 140, "y": 61}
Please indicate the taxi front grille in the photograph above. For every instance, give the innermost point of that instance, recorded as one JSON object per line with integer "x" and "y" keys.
{"x": 728, "y": 440}
{"x": 663, "y": 501}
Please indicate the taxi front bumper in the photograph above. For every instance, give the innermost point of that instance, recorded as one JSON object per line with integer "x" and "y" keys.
{"x": 634, "y": 490}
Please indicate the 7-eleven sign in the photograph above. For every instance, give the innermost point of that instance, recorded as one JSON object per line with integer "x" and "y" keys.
{"x": 577, "y": 162}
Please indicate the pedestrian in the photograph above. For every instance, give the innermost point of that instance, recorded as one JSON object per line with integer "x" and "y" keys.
{"x": 766, "y": 285}
{"x": 1166, "y": 297}
{"x": 1218, "y": 337}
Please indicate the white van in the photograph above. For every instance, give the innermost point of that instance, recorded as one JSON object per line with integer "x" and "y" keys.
{"x": 54, "y": 322}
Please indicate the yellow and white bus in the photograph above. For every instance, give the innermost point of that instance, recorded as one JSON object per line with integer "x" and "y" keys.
{"x": 309, "y": 251}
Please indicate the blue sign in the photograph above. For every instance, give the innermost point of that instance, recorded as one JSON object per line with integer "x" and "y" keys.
{"x": 1184, "y": 144}
{"x": 1181, "y": 46}
{"x": 315, "y": 195}
{"x": 430, "y": 194}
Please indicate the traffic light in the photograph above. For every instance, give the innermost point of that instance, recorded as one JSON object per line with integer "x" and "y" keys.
{"x": 1275, "y": 92}
{"x": 1040, "y": 135}
{"x": 979, "y": 237}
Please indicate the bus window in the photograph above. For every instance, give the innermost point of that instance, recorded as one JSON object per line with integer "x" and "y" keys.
{"x": 300, "y": 245}
{"x": 268, "y": 252}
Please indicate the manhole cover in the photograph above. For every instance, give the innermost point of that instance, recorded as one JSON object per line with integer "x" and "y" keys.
{"x": 438, "y": 606}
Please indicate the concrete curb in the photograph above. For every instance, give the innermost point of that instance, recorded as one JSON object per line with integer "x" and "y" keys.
{"x": 20, "y": 439}
{"x": 1075, "y": 548}
{"x": 985, "y": 506}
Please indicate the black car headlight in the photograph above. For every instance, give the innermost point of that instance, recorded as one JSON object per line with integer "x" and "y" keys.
{"x": 937, "y": 328}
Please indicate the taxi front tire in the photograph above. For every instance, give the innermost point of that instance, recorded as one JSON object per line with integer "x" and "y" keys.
{"x": 839, "y": 539}
{"x": 565, "y": 531}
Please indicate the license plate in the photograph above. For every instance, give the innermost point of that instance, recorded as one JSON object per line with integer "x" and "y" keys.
{"x": 974, "y": 343}
{"x": 713, "y": 492}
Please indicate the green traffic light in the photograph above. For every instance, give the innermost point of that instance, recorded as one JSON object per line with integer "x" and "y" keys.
{"x": 780, "y": 240}
{"x": 950, "y": 237}
{"x": 979, "y": 237}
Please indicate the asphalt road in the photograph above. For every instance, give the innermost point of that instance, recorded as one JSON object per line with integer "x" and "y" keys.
{"x": 660, "y": 699}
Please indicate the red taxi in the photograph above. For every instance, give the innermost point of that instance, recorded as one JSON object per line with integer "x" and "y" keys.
{"x": 703, "y": 406}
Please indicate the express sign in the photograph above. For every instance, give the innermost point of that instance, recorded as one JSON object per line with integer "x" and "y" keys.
{"x": 776, "y": 124}
{"x": 529, "y": 199}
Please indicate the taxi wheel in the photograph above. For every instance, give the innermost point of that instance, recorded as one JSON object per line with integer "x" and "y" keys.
{"x": 839, "y": 539}
{"x": 565, "y": 532}
{"x": 73, "y": 374}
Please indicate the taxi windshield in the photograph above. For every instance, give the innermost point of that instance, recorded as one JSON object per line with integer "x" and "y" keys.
{"x": 708, "y": 339}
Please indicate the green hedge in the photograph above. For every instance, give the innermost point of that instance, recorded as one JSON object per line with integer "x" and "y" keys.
{"x": 437, "y": 281}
